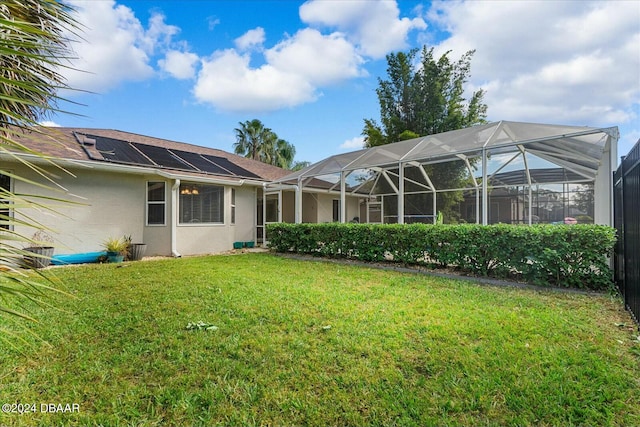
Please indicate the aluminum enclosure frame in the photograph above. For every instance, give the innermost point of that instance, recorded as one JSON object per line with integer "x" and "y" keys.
{"x": 588, "y": 154}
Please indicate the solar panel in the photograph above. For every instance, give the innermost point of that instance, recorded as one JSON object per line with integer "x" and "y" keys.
{"x": 230, "y": 166}
{"x": 200, "y": 162}
{"x": 162, "y": 157}
{"x": 115, "y": 150}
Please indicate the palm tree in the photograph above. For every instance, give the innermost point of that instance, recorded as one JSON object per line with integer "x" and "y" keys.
{"x": 250, "y": 139}
{"x": 283, "y": 154}
{"x": 33, "y": 48}
{"x": 257, "y": 142}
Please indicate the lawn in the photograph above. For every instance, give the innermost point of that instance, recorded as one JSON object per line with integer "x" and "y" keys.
{"x": 289, "y": 342}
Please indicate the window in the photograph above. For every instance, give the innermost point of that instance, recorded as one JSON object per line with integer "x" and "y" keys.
{"x": 233, "y": 206}
{"x": 5, "y": 212}
{"x": 156, "y": 203}
{"x": 201, "y": 203}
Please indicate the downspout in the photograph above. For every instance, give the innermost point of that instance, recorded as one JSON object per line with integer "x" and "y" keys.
{"x": 173, "y": 219}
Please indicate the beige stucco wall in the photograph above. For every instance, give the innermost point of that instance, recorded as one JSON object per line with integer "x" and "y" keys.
{"x": 194, "y": 239}
{"x": 325, "y": 207}
{"x": 316, "y": 207}
{"x": 289, "y": 206}
{"x": 309, "y": 208}
{"x": 113, "y": 204}
{"x": 102, "y": 205}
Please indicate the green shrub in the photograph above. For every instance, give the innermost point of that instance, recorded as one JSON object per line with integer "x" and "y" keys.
{"x": 559, "y": 255}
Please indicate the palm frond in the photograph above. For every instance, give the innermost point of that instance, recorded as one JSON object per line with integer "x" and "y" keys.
{"x": 33, "y": 49}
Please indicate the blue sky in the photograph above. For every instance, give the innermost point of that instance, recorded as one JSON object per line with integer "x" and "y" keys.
{"x": 191, "y": 70}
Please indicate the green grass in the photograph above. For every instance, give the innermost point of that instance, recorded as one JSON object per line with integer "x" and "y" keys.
{"x": 314, "y": 343}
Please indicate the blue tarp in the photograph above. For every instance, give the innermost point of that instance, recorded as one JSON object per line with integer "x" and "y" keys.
{"x": 84, "y": 258}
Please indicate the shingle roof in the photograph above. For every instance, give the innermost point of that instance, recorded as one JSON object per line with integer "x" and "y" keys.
{"x": 67, "y": 143}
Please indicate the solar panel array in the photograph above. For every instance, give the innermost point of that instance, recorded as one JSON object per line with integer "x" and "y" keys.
{"x": 135, "y": 153}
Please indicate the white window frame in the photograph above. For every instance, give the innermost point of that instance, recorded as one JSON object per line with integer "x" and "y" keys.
{"x": 9, "y": 209}
{"x": 156, "y": 202}
{"x": 185, "y": 185}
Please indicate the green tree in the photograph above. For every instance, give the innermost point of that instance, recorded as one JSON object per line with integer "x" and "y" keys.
{"x": 424, "y": 96}
{"x": 257, "y": 142}
{"x": 300, "y": 165}
{"x": 33, "y": 48}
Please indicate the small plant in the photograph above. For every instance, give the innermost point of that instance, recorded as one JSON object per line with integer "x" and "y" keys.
{"x": 116, "y": 246}
{"x": 127, "y": 241}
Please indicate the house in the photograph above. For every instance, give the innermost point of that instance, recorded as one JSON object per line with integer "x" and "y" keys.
{"x": 181, "y": 199}
{"x": 178, "y": 198}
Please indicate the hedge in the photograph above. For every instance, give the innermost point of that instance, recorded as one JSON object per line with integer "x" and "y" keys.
{"x": 574, "y": 256}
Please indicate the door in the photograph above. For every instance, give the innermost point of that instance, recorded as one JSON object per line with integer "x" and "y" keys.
{"x": 271, "y": 209}
{"x": 374, "y": 212}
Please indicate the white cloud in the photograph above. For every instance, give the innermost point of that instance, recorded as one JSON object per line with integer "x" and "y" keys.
{"x": 556, "y": 62}
{"x": 317, "y": 58}
{"x": 227, "y": 81}
{"x": 250, "y": 39}
{"x": 293, "y": 72}
{"x": 116, "y": 47}
{"x": 158, "y": 33}
{"x": 353, "y": 143}
{"x": 212, "y": 22}
{"x": 49, "y": 123}
{"x": 113, "y": 46}
{"x": 181, "y": 65}
{"x": 375, "y": 27}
